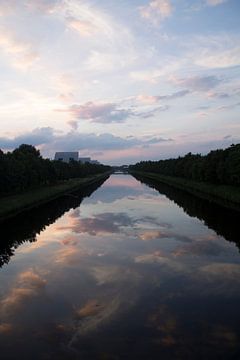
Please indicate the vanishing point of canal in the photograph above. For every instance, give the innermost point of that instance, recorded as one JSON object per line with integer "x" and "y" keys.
{"x": 125, "y": 271}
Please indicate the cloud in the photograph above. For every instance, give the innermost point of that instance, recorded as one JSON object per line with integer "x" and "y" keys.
{"x": 35, "y": 137}
{"x": 50, "y": 140}
{"x": 152, "y": 75}
{"x": 218, "y": 57}
{"x": 156, "y": 11}
{"x": 198, "y": 83}
{"x": 215, "y": 2}
{"x": 22, "y": 53}
{"x": 83, "y": 27}
{"x": 73, "y": 124}
{"x": 151, "y": 113}
{"x": 152, "y": 99}
{"x": 85, "y": 19}
{"x": 103, "y": 113}
{"x": 220, "y": 95}
{"x": 107, "y": 113}
{"x": 215, "y": 51}
{"x": 110, "y": 59}
{"x": 44, "y": 6}
{"x": 229, "y": 107}
{"x": 8, "y": 7}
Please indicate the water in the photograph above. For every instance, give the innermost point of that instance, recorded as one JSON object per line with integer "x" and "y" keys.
{"x": 127, "y": 274}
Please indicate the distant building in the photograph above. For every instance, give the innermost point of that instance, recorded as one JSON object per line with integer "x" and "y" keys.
{"x": 84, "y": 160}
{"x": 96, "y": 162}
{"x": 73, "y": 155}
{"x": 66, "y": 156}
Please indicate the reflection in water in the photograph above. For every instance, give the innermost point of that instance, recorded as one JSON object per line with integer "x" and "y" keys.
{"x": 126, "y": 275}
{"x": 224, "y": 221}
{"x": 26, "y": 226}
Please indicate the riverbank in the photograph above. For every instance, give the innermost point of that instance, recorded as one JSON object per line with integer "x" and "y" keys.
{"x": 224, "y": 195}
{"x": 15, "y": 204}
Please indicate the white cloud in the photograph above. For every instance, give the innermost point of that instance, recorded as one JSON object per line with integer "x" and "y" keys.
{"x": 156, "y": 11}
{"x": 154, "y": 74}
{"x": 22, "y": 53}
{"x": 214, "y": 51}
{"x": 220, "y": 58}
{"x": 83, "y": 27}
{"x": 44, "y": 6}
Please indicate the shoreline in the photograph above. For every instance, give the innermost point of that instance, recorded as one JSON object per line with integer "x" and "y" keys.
{"x": 13, "y": 205}
{"x": 224, "y": 195}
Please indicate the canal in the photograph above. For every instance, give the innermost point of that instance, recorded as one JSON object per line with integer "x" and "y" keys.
{"x": 127, "y": 270}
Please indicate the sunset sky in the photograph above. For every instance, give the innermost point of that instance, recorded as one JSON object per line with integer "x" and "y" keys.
{"x": 120, "y": 80}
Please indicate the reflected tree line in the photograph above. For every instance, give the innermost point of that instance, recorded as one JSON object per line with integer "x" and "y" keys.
{"x": 24, "y": 168}
{"x": 26, "y": 226}
{"x": 223, "y": 221}
{"x": 217, "y": 167}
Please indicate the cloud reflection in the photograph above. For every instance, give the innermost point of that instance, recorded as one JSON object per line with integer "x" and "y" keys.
{"x": 28, "y": 285}
{"x": 158, "y": 257}
{"x": 5, "y": 328}
{"x": 199, "y": 248}
{"x": 105, "y": 223}
{"x": 91, "y": 316}
{"x": 165, "y": 323}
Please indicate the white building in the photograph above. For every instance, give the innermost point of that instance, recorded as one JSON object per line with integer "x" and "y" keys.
{"x": 66, "y": 156}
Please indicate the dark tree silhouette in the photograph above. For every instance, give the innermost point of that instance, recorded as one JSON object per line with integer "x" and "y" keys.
{"x": 25, "y": 169}
{"x": 217, "y": 167}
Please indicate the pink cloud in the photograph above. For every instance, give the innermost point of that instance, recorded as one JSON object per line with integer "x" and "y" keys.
{"x": 44, "y": 6}
{"x": 156, "y": 10}
{"x": 117, "y": 181}
{"x": 215, "y": 2}
{"x": 152, "y": 99}
{"x": 22, "y": 53}
{"x": 83, "y": 27}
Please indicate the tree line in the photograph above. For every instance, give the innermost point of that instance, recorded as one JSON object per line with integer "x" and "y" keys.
{"x": 24, "y": 168}
{"x": 217, "y": 167}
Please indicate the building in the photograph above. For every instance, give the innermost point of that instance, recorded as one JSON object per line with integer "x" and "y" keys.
{"x": 84, "y": 160}
{"x": 66, "y": 156}
{"x": 96, "y": 162}
{"x": 73, "y": 155}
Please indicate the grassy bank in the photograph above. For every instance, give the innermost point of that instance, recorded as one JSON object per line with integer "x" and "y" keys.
{"x": 12, "y": 205}
{"x": 224, "y": 195}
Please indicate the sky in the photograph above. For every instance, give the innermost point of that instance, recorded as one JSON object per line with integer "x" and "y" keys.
{"x": 120, "y": 81}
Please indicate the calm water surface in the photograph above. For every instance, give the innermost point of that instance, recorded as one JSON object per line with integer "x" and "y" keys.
{"x": 128, "y": 274}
